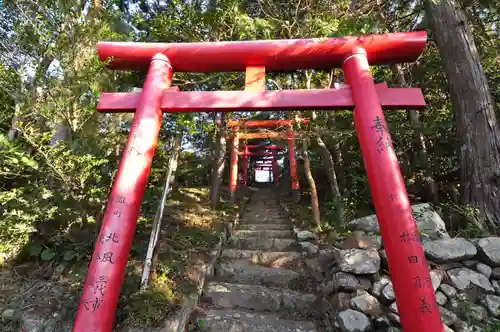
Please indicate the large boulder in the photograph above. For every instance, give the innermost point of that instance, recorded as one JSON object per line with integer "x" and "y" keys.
{"x": 430, "y": 224}
{"x": 496, "y": 286}
{"x": 495, "y": 273}
{"x": 449, "y": 250}
{"x": 493, "y": 305}
{"x": 447, "y": 316}
{"x": 341, "y": 301}
{"x": 358, "y": 261}
{"x": 441, "y": 298}
{"x": 359, "y": 240}
{"x": 489, "y": 250}
{"x": 353, "y": 321}
{"x": 463, "y": 278}
{"x": 437, "y": 277}
{"x": 304, "y": 235}
{"x": 341, "y": 281}
{"x": 379, "y": 285}
{"x": 448, "y": 290}
{"x": 388, "y": 293}
{"x": 346, "y": 282}
{"x": 484, "y": 269}
{"x": 366, "y": 304}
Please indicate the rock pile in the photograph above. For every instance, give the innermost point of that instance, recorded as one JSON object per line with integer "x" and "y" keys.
{"x": 465, "y": 275}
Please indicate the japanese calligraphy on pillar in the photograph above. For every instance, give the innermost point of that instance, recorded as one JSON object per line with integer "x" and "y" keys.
{"x": 105, "y": 256}
{"x": 99, "y": 288}
{"x": 384, "y": 142}
{"x": 409, "y": 238}
{"x": 425, "y": 306}
{"x": 135, "y": 148}
{"x": 419, "y": 282}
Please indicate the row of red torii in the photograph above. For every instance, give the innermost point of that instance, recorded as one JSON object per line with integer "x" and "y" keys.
{"x": 271, "y": 153}
{"x": 415, "y": 296}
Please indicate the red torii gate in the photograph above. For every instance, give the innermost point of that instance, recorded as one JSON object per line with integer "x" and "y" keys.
{"x": 273, "y": 149}
{"x": 268, "y": 156}
{"x": 246, "y": 153}
{"x": 410, "y": 275}
{"x": 261, "y": 124}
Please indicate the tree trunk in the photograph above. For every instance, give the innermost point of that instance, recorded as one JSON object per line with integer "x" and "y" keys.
{"x": 419, "y": 155}
{"x": 336, "y": 152}
{"x": 152, "y": 253}
{"x": 477, "y": 128}
{"x": 218, "y": 163}
{"x": 62, "y": 133}
{"x": 28, "y": 94}
{"x": 312, "y": 184}
{"x": 13, "y": 131}
{"x": 330, "y": 167}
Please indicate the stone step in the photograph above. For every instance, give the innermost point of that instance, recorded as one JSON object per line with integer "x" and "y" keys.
{"x": 241, "y": 272}
{"x": 261, "y": 220}
{"x": 261, "y": 226}
{"x": 255, "y": 297}
{"x": 262, "y": 210}
{"x": 259, "y": 212}
{"x": 264, "y": 232}
{"x": 242, "y": 321}
{"x": 285, "y": 259}
{"x": 262, "y": 243}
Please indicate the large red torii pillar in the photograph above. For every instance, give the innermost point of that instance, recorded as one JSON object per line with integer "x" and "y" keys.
{"x": 411, "y": 279}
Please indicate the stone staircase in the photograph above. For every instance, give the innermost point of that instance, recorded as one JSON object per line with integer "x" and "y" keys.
{"x": 260, "y": 283}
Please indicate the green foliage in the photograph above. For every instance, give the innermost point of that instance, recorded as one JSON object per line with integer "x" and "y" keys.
{"x": 148, "y": 308}
{"x": 473, "y": 225}
{"x": 336, "y": 213}
{"x": 474, "y": 318}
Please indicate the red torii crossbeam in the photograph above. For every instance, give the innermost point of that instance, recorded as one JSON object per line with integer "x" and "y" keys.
{"x": 281, "y": 100}
{"x": 416, "y": 301}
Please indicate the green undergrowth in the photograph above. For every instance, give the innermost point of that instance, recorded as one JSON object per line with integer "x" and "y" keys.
{"x": 46, "y": 276}
{"x": 190, "y": 231}
{"x": 335, "y": 216}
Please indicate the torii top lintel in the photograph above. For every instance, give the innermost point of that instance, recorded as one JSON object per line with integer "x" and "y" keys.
{"x": 285, "y": 54}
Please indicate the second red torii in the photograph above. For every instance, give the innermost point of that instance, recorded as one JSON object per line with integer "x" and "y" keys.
{"x": 237, "y": 136}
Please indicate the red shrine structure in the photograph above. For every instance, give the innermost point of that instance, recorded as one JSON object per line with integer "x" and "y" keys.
{"x": 261, "y": 124}
{"x": 270, "y": 158}
{"x": 354, "y": 54}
